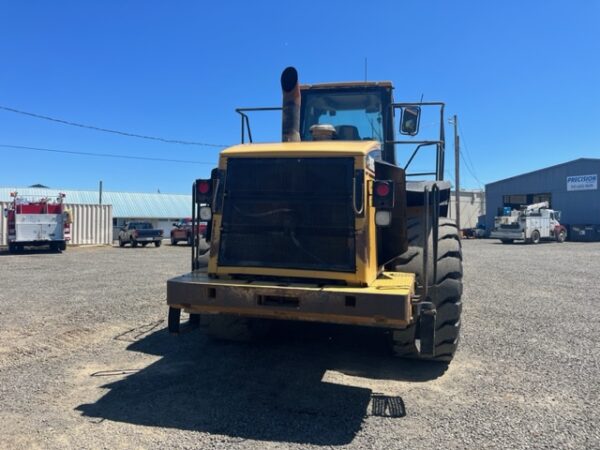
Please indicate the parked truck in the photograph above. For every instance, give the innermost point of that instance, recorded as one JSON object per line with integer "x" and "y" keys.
{"x": 142, "y": 233}
{"x": 182, "y": 231}
{"x": 531, "y": 223}
{"x": 324, "y": 226}
{"x": 34, "y": 221}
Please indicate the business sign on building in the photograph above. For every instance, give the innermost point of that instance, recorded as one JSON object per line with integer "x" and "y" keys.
{"x": 582, "y": 182}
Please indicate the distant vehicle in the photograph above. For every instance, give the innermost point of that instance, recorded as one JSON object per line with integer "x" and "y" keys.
{"x": 37, "y": 221}
{"x": 182, "y": 231}
{"x": 142, "y": 233}
{"x": 469, "y": 233}
{"x": 531, "y": 224}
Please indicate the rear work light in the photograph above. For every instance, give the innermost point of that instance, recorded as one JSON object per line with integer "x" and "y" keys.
{"x": 205, "y": 213}
{"x": 383, "y": 194}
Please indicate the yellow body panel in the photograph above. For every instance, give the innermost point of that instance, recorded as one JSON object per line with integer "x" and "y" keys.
{"x": 365, "y": 228}
{"x": 386, "y": 302}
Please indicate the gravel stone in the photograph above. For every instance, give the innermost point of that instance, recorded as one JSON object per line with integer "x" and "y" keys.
{"x": 86, "y": 362}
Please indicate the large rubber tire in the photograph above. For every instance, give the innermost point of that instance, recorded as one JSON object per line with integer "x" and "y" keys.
{"x": 506, "y": 241}
{"x": 12, "y": 248}
{"x": 134, "y": 243}
{"x": 157, "y": 243}
{"x": 190, "y": 240}
{"x": 561, "y": 236}
{"x": 121, "y": 243}
{"x": 233, "y": 328}
{"x": 173, "y": 241}
{"x": 445, "y": 291}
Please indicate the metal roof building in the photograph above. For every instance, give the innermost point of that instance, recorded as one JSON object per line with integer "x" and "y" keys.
{"x": 124, "y": 204}
{"x": 159, "y": 209}
{"x": 571, "y": 188}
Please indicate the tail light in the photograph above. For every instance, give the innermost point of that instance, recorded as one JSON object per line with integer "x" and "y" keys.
{"x": 204, "y": 191}
{"x": 383, "y": 201}
{"x": 383, "y": 194}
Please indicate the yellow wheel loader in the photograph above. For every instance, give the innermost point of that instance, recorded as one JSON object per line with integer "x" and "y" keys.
{"x": 325, "y": 227}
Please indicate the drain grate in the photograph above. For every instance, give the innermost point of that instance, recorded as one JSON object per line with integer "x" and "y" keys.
{"x": 387, "y": 406}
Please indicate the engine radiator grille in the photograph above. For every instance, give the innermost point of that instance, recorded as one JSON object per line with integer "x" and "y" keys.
{"x": 291, "y": 213}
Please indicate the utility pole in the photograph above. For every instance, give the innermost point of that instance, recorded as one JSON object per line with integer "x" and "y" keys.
{"x": 457, "y": 172}
{"x": 100, "y": 192}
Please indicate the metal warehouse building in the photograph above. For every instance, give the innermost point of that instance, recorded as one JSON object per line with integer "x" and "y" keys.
{"x": 571, "y": 188}
{"x": 90, "y": 211}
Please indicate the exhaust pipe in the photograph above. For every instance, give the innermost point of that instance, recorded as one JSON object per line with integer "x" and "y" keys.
{"x": 290, "y": 127}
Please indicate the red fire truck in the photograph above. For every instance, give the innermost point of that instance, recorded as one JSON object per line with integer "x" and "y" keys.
{"x": 37, "y": 221}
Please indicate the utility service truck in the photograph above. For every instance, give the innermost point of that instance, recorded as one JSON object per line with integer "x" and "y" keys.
{"x": 531, "y": 223}
{"x": 325, "y": 227}
{"x": 34, "y": 221}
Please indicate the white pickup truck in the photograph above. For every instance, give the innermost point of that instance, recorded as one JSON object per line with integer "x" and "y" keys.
{"x": 531, "y": 224}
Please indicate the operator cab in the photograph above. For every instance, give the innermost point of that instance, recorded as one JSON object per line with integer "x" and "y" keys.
{"x": 348, "y": 112}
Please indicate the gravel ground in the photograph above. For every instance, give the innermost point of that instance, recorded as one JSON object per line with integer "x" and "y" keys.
{"x": 85, "y": 362}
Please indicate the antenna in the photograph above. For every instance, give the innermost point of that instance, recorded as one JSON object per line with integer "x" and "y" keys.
{"x": 366, "y": 67}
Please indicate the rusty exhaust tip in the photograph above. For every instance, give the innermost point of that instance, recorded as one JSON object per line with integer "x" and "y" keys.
{"x": 290, "y": 127}
{"x": 289, "y": 79}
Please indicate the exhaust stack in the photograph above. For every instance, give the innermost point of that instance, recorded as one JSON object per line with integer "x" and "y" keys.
{"x": 290, "y": 127}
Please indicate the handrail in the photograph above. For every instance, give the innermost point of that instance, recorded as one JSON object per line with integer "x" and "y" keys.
{"x": 246, "y": 120}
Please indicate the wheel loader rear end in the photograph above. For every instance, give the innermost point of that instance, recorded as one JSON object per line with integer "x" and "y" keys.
{"x": 325, "y": 227}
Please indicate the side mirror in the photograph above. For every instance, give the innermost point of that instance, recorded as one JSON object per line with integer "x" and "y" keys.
{"x": 409, "y": 120}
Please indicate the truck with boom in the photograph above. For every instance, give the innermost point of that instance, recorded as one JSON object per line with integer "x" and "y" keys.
{"x": 531, "y": 223}
{"x": 328, "y": 225}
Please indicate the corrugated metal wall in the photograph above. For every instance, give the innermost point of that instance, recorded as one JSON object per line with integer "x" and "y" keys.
{"x": 92, "y": 224}
{"x": 577, "y": 207}
{"x": 472, "y": 205}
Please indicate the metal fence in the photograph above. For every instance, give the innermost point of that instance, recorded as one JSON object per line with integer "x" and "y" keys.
{"x": 92, "y": 224}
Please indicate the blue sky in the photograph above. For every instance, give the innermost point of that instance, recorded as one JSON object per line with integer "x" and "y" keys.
{"x": 523, "y": 77}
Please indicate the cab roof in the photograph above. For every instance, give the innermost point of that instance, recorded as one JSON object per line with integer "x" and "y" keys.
{"x": 304, "y": 148}
{"x": 347, "y": 84}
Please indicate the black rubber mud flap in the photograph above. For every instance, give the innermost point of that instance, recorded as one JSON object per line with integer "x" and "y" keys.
{"x": 427, "y": 330}
{"x": 174, "y": 318}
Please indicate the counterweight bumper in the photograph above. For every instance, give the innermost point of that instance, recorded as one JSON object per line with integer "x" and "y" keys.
{"x": 386, "y": 303}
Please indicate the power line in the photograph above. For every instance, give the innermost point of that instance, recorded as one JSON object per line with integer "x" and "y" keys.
{"x": 107, "y": 130}
{"x": 105, "y": 155}
{"x": 472, "y": 168}
{"x": 471, "y": 171}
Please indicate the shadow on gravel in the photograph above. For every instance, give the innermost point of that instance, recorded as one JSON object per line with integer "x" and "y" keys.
{"x": 31, "y": 251}
{"x": 270, "y": 390}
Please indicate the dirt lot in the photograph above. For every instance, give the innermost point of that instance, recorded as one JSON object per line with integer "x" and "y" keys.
{"x": 85, "y": 362}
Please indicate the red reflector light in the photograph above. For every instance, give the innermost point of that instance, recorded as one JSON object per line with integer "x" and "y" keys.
{"x": 382, "y": 189}
{"x": 203, "y": 187}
